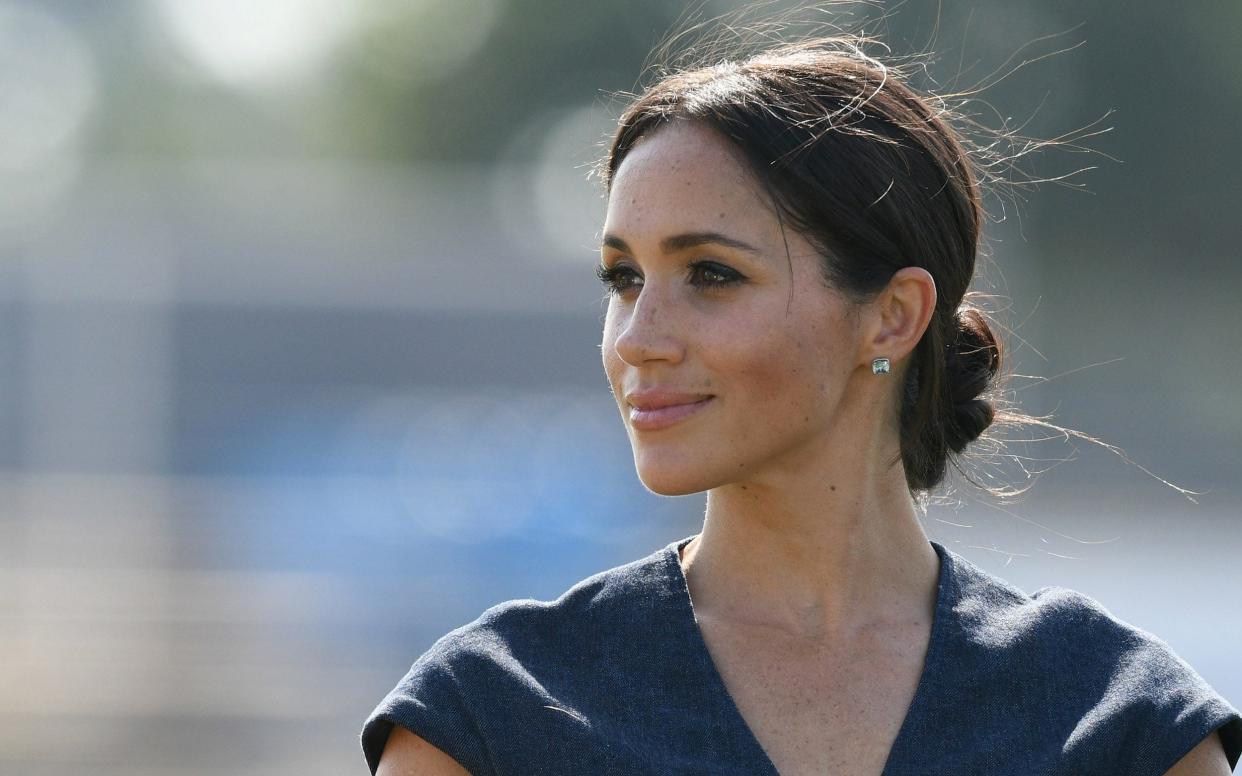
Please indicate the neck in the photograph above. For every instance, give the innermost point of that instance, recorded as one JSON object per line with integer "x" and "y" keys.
{"x": 820, "y": 558}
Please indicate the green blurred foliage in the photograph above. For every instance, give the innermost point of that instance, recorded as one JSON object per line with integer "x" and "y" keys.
{"x": 554, "y": 53}
{"x": 1167, "y": 77}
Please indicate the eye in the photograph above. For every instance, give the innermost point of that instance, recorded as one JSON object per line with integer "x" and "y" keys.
{"x": 703, "y": 275}
{"x": 709, "y": 274}
{"x": 615, "y": 279}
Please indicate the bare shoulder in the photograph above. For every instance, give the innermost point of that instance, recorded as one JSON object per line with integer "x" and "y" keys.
{"x": 1206, "y": 759}
{"x": 406, "y": 754}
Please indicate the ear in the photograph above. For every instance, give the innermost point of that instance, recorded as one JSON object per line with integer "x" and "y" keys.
{"x": 898, "y": 316}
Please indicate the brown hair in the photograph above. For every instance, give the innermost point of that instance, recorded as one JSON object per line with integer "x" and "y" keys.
{"x": 876, "y": 179}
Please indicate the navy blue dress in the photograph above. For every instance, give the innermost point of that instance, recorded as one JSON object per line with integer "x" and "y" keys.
{"x": 614, "y": 677}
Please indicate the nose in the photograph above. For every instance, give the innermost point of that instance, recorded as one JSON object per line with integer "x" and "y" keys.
{"x": 648, "y": 330}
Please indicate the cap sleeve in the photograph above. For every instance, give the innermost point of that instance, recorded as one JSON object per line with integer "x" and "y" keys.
{"x": 429, "y": 702}
{"x": 1175, "y": 709}
{"x": 1140, "y": 706}
{"x": 1152, "y": 707}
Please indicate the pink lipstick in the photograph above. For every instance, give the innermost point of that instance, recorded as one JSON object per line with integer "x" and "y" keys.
{"x": 658, "y": 408}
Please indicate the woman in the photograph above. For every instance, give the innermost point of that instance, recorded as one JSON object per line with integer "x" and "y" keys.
{"x": 788, "y": 244}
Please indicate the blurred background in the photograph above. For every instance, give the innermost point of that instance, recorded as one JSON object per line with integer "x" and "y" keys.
{"x": 299, "y": 346}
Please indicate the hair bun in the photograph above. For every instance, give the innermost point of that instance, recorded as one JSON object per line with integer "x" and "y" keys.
{"x": 973, "y": 358}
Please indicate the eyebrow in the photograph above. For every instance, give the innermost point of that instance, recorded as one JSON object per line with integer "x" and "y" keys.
{"x": 681, "y": 242}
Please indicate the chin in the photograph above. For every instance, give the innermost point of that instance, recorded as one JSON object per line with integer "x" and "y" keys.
{"x": 664, "y": 479}
{"x": 672, "y": 489}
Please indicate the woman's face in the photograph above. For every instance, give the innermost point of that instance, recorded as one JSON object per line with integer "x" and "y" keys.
{"x": 712, "y": 299}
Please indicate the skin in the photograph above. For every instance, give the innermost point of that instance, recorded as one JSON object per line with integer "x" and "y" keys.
{"x": 810, "y": 537}
{"x": 406, "y": 754}
{"x": 809, "y": 530}
{"x": 810, "y": 534}
{"x": 1206, "y": 759}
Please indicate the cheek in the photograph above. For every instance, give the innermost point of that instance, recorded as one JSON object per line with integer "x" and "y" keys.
{"x": 784, "y": 371}
{"x": 608, "y": 352}
{"x": 759, "y": 354}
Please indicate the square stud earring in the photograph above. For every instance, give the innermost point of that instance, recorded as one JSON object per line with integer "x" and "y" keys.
{"x": 880, "y": 366}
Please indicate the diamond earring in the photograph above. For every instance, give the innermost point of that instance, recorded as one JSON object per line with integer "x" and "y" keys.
{"x": 880, "y": 366}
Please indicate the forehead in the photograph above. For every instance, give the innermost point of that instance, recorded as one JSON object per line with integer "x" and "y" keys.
{"x": 687, "y": 174}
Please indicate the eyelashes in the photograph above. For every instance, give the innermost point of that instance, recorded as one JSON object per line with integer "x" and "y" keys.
{"x": 615, "y": 279}
{"x": 704, "y": 275}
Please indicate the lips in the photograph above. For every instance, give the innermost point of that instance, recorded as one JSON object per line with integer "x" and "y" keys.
{"x": 654, "y": 409}
{"x": 658, "y": 398}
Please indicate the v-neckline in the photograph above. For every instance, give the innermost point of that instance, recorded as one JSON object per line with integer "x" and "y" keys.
{"x": 706, "y": 667}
